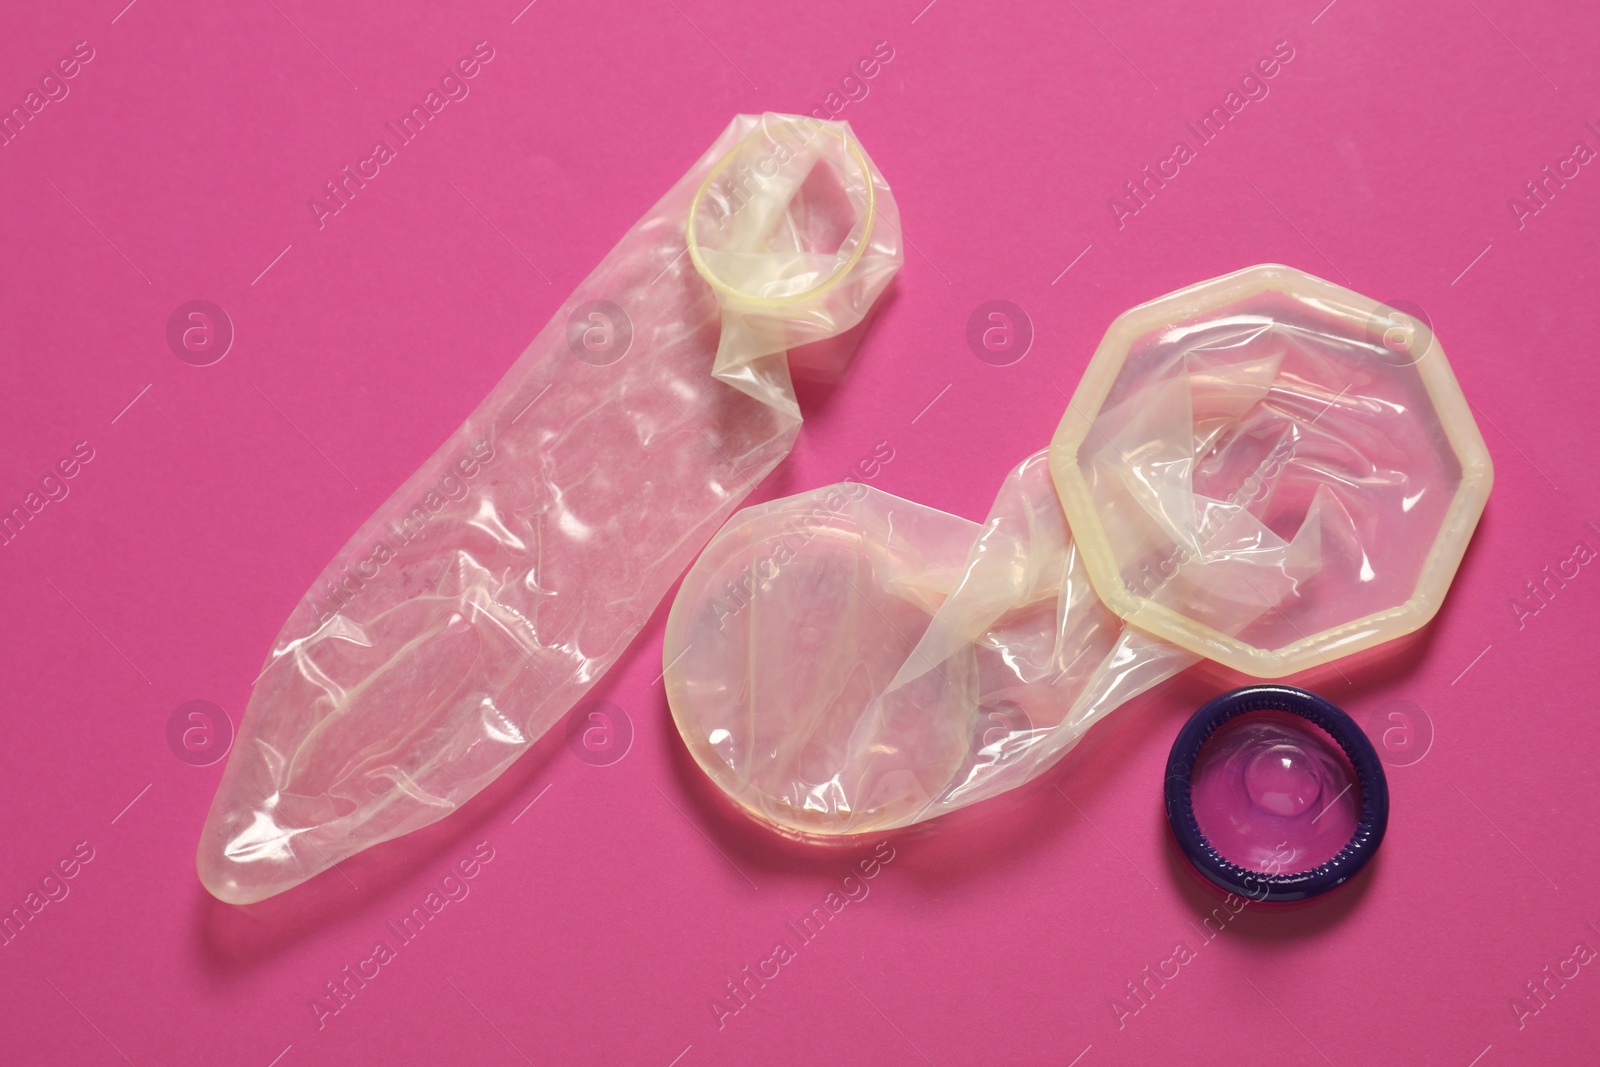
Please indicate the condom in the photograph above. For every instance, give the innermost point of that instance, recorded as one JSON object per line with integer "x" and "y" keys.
{"x": 1274, "y": 794}
{"x": 506, "y": 576}
{"x": 1264, "y": 469}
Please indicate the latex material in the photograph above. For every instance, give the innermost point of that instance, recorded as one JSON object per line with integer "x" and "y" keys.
{"x": 1273, "y": 794}
{"x": 1271, "y": 470}
{"x": 845, "y": 661}
{"x": 504, "y": 577}
{"x": 1262, "y": 465}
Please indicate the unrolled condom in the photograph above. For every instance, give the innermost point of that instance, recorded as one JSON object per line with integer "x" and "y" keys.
{"x": 509, "y": 573}
{"x": 1265, "y": 469}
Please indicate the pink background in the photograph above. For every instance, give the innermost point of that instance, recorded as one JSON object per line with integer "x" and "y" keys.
{"x": 616, "y": 907}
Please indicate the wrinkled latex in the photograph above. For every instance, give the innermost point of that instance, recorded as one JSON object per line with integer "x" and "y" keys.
{"x": 1288, "y": 476}
{"x": 509, "y": 573}
{"x": 846, "y": 662}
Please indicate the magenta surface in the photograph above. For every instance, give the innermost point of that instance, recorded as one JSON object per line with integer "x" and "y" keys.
{"x": 1392, "y": 153}
{"x": 1273, "y": 793}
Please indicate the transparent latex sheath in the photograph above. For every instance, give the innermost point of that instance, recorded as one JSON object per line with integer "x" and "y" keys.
{"x": 1263, "y": 463}
{"x": 509, "y": 573}
{"x": 846, "y": 661}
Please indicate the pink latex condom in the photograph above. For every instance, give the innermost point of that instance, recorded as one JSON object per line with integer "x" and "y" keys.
{"x": 487, "y": 595}
{"x": 1265, "y": 469}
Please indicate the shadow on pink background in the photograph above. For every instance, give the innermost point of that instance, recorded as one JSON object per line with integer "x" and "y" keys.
{"x": 610, "y": 905}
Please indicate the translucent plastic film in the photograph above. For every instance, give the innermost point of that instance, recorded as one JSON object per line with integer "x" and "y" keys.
{"x": 509, "y": 573}
{"x": 1270, "y": 469}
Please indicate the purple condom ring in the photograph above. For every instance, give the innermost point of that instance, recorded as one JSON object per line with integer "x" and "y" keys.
{"x": 1275, "y": 794}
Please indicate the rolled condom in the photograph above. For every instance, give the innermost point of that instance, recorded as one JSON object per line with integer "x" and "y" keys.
{"x": 491, "y": 591}
{"x": 1265, "y": 469}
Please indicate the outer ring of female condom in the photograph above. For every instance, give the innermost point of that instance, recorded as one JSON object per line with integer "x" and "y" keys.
{"x": 1371, "y": 823}
{"x": 1345, "y": 314}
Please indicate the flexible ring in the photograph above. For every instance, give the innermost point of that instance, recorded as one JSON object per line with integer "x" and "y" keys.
{"x": 1255, "y": 885}
{"x": 867, "y": 222}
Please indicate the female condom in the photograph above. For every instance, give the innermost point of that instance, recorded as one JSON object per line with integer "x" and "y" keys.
{"x": 506, "y": 576}
{"x": 1265, "y": 469}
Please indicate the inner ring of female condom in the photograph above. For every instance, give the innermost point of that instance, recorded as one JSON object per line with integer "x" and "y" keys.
{"x": 1250, "y": 465}
{"x": 780, "y": 143}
